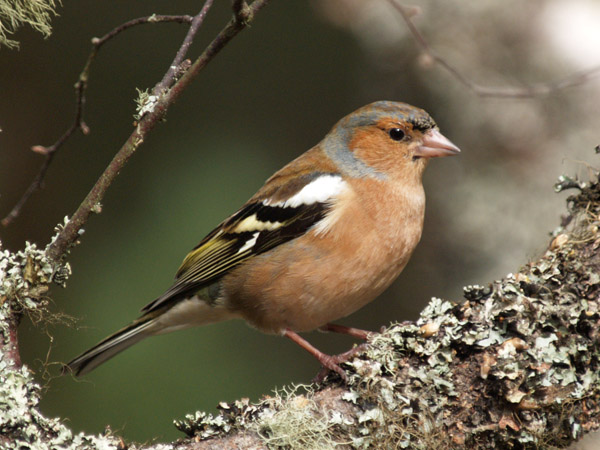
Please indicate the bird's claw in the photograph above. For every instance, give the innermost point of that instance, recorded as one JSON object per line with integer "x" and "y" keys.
{"x": 331, "y": 363}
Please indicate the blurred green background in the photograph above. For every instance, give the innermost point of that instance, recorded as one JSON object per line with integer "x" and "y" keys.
{"x": 270, "y": 95}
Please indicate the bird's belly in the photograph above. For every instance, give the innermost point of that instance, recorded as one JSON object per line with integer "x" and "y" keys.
{"x": 304, "y": 285}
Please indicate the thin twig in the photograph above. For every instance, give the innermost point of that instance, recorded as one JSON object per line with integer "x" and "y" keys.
{"x": 78, "y": 122}
{"x": 154, "y": 18}
{"x": 175, "y": 68}
{"x": 49, "y": 152}
{"x": 34, "y": 186}
{"x": 69, "y": 234}
{"x": 535, "y": 90}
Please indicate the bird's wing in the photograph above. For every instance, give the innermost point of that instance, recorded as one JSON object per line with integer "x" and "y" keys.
{"x": 260, "y": 225}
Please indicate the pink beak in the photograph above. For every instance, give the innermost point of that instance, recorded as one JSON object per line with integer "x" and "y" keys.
{"x": 436, "y": 144}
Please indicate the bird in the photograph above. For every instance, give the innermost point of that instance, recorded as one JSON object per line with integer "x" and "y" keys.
{"x": 324, "y": 236}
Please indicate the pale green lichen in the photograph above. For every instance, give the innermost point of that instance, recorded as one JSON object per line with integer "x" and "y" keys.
{"x": 236, "y": 415}
{"x": 16, "y": 13}
{"x": 24, "y": 279}
{"x": 22, "y": 426}
{"x": 144, "y": 104}
{"x": 297, "y": 423}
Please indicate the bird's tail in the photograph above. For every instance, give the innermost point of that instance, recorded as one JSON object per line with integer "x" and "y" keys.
{"x": 112, "y": 345}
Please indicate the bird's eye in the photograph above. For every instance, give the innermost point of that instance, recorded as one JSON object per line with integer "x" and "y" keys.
{"x": 397, "y": 134}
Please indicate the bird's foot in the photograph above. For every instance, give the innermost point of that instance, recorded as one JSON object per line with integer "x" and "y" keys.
{"x": 331, "y": 363}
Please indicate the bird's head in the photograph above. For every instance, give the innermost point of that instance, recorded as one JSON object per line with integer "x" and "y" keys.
{"x": 386, "y": 139}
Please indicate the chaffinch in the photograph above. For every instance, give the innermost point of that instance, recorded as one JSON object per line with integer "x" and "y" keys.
{"x": 323, "y": 237}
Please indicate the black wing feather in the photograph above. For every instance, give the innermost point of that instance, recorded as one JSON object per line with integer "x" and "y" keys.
{"x": 221, "y": 250}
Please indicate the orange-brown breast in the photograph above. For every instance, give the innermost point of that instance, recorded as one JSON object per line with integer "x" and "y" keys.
{"x": 333, "y": 270}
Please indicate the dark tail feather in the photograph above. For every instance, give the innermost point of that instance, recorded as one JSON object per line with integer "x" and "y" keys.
{"x": 109, "y": 347}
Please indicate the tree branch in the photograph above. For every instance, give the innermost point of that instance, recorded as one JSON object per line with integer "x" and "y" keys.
{"x": 174, "y": 69}
{"x": 532, "y": 91}
{"x": 80, "y": 89}
{"x": 156, "y": 111}
{"x": 49, "y": 152}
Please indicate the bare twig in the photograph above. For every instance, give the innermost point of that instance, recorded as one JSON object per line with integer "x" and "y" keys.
{"x": 78, "y": 122}
{"x": 535, "y": 90}
{"x": 69, "y": 234}
{"x": 49, "y": 152}
{"x": 34, "y": 186}
{"x": 174, "y": 69}
{"x": 154, "y": 18}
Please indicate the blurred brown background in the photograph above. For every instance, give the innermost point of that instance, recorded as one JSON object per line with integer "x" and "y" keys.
{"x": 270, "y": 95}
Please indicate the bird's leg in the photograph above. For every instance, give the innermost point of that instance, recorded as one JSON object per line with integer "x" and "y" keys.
{"x": 354, "y": 332}
{"x": 327, "y": 361}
